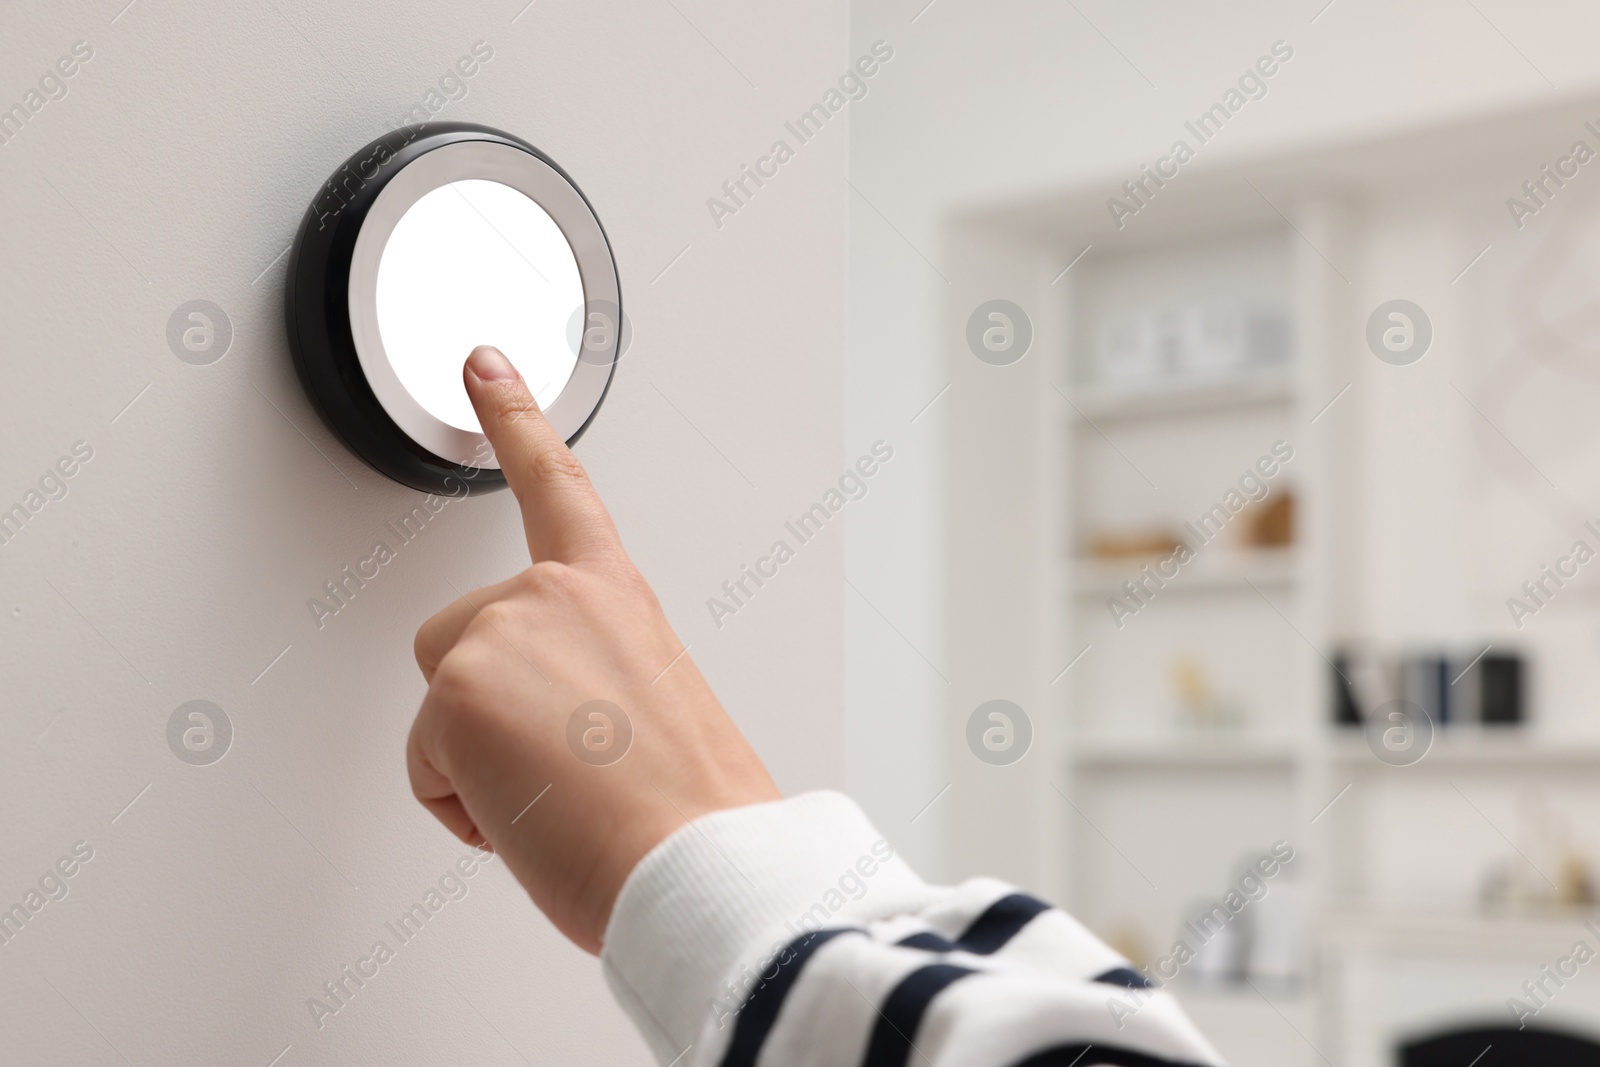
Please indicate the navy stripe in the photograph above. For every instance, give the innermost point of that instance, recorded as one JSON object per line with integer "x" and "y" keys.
{"x": 1125, "y": 976}
{"x": 928, "y": 942}
{"x": 1114, "y": 1055}
{"x": 760, "y": 1011}
{"x": 989, "y": 932}
{"x": 1000, "y": 922}
{"x": 903, "y": 1010}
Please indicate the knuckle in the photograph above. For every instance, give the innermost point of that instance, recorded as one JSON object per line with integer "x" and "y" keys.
{"x": 557, "y": 467}
{"x": 550, "y": 578}
{"x": 425, "y": 646}
{"x": 487, "y": 639}
{"x": 500, "y": 616}
{"x": 513, "y": 405}
{"x": 453, "y": 687}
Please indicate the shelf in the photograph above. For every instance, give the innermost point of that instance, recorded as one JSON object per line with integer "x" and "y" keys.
{"x": 1467, "y": 746}
{"x": 1234, "y": 751}
{"x": 1448, "y": 932}
{"x": 1221, "y": 751}
{"x": 1110, "y": 402}
{"x": 1233, "y": 992}
{"x": 1210, "y": 570}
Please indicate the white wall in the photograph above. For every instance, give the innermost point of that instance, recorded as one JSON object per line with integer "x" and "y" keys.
{"x": 180, "y": 562}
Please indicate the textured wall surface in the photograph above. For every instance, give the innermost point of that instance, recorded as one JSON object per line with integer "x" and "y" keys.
{"x": 206, "y": 504}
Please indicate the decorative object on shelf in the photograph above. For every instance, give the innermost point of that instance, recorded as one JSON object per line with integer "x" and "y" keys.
{"x": 1576, "y": 884}
{"x": 1494, "y": 689}
{"x": 1547, "y": 871}
{"x": 1425, "y": 682}
{"x": 1269, "y": 524}
{"x": 1265, "y": 521}
{"x": 1347, "y": 706}
{"x": 1475, "y": 687}
{"x": 1148, "y": 542}
{"x": 1222, "y": 950}
{"x": 1168, "y": 331}
{"x": 1199, "y": 708}
{"x": 1190, "y": 342}
{"x": 1127, "y": 353}
{"x": 1509, "y": 887}
{"x": 1255, "y": 930}
{"x": 1231, "y": 337}
{"x": 1277, "y": 935}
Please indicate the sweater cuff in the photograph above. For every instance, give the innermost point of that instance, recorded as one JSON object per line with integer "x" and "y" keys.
{"x": 726, "y": 888}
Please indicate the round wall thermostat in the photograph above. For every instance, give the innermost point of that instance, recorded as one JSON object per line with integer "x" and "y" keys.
{"x": 428, "y": 242}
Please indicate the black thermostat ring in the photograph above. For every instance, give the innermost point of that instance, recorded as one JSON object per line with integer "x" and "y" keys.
{"x": 323, "y": 327}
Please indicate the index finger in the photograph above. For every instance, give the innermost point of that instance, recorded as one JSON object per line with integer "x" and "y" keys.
{"x": 561, "y": 513}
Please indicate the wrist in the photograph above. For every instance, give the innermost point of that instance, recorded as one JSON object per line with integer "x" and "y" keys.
{"x": 646, "y": 835}
{"x": 713, "y": 899}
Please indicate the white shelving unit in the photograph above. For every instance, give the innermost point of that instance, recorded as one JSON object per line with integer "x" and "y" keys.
{"x": 1218, "y": 571}
{"x": 1494, "y": 750}
{"x": 1156, "y": 455}
{"x": 1206, "y": 753}
{"x": 1223, "y": 393}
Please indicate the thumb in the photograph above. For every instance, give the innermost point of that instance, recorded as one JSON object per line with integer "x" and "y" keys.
{"x": 562, "y": 515}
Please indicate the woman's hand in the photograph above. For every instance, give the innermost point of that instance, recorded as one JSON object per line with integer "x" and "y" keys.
{"x": 509, "y": 665}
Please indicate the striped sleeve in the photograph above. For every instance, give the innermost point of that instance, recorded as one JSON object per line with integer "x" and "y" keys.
{"x": 790, "y": 935}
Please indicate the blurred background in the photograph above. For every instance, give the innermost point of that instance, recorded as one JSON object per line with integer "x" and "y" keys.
{"x": 1232, "y": 581}
{"x": 1164, "y": 248}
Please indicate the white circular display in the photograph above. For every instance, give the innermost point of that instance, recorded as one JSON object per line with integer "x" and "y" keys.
{"x": 442, "y": 292}
{"x": 476, "y": 262}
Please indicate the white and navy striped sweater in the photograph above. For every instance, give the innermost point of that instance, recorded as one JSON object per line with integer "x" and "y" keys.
{"x": 789, "y": 935}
